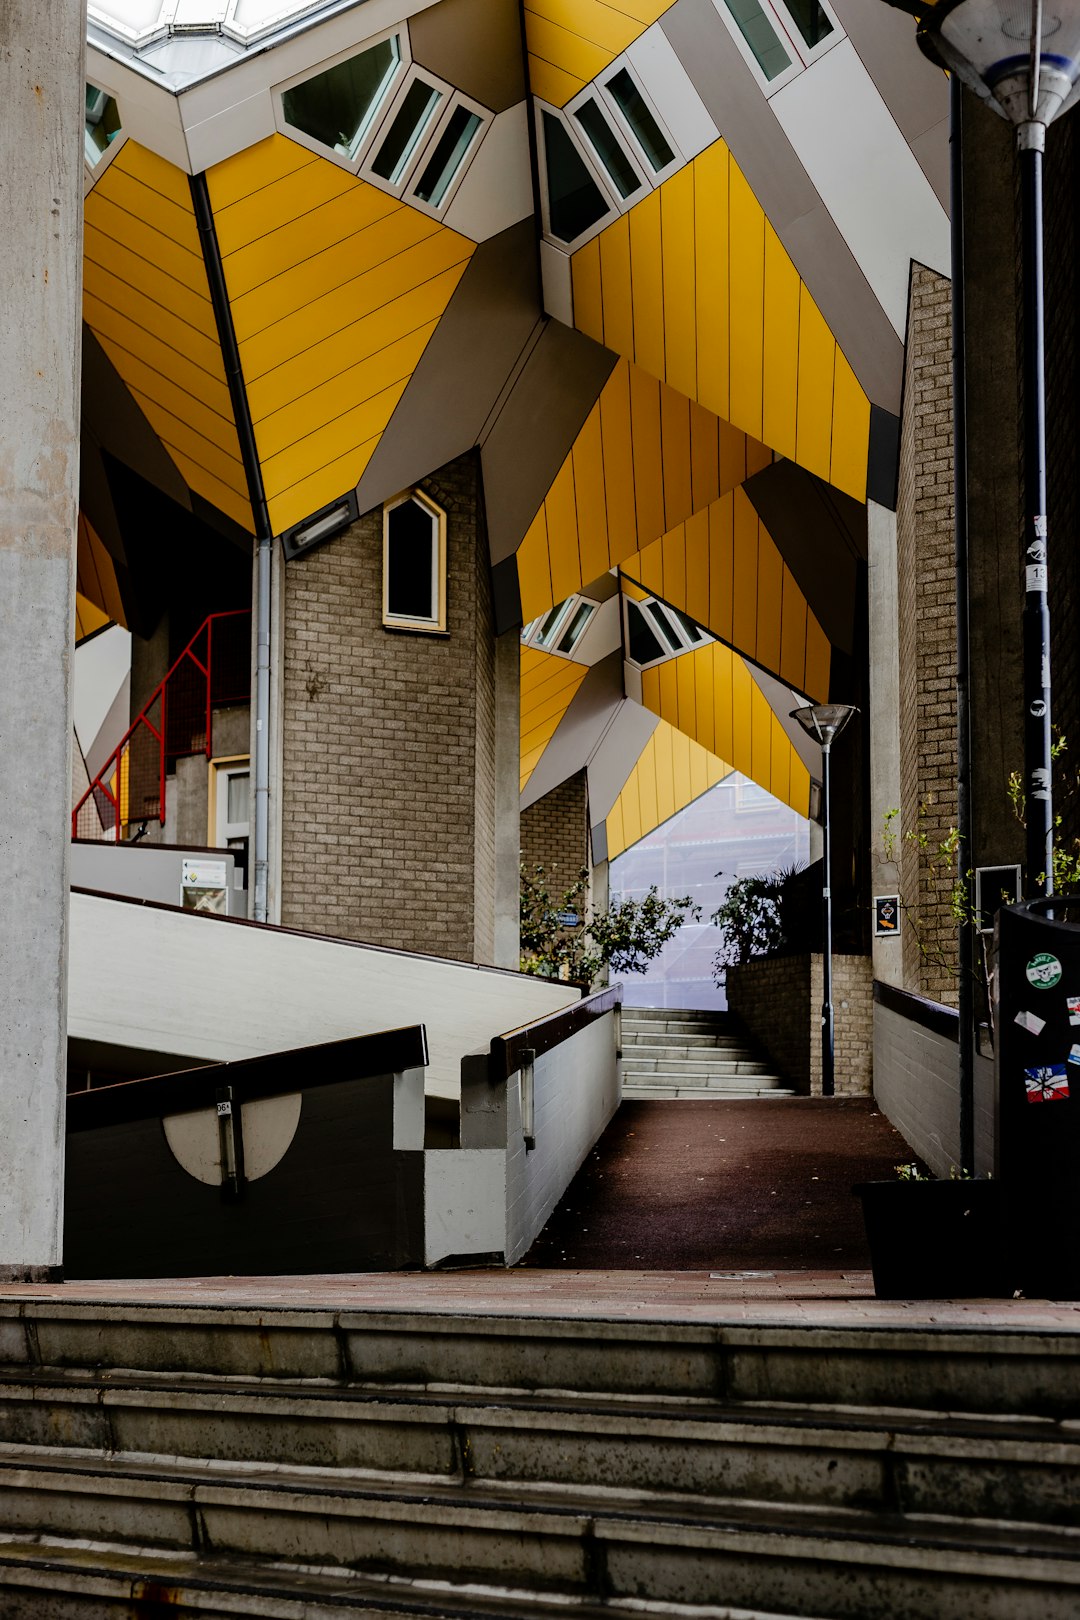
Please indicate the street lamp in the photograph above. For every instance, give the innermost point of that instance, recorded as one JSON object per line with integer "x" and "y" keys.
{"x": 1022, "y": 57}
{"x": 825, "y": 722}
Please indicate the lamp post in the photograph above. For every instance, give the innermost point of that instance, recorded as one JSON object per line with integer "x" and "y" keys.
{"x": 1022, "y": 57}
{"x": 825, "y": 722}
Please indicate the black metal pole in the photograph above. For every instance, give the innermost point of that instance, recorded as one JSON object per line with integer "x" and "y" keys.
{"x": 966, "y": 938}
{"x": 827, "y": 1080}
{"x": 1037, "y": 765}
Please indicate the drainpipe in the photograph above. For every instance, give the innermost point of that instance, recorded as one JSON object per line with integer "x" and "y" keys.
{"x": 966, "y": 942}
{"x": 245, "y": 432}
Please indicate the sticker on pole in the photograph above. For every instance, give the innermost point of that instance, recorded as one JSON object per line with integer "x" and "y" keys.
{"x": 1073, "y": 1004}
{"x": 1047, "y": 1084}
{"x": 1044, "y": 971}
{"x": 1027, "y": 1020}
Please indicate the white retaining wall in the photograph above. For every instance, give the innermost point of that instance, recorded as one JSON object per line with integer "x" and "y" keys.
{"x": 916, "y": 1084}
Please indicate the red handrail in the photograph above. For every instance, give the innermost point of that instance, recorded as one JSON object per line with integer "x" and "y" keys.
{"x": 176, "y": 721}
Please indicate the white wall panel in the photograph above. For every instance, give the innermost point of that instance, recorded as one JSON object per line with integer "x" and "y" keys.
{"x": 497, "y": 187}
{"x": 866, "y": 175}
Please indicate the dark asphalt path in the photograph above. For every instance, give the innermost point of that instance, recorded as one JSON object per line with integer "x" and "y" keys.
{"x": 724, "y": 1186}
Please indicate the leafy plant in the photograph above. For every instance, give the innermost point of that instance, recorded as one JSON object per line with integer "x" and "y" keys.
{"x": 563, "y": 936}
{"x": 750, "y": 919}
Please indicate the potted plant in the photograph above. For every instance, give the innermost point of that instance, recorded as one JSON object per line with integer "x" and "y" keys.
{"x": 937, "y": 1239}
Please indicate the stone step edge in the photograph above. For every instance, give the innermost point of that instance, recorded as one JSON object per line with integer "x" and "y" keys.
{"x": 880, "y": 1426}
{"x": 115, "y": 1572}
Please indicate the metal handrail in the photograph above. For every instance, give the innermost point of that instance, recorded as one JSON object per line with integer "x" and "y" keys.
{"x": 110, "y": 790}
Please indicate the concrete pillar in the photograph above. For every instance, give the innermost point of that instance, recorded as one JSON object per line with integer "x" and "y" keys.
{"x": 507, "y": 800}
{"x": 884, "y": 729}
{"x": 41, "y": 139}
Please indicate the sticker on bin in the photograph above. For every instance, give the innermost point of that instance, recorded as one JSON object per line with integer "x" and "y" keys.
{"x": 1049, "y": 1083}
{"x": 1073, "y": 1004}
{"x": 1043, "y": 971}
{"x": 1028, "y": 1021}
{"x": 1074, "y": 1054}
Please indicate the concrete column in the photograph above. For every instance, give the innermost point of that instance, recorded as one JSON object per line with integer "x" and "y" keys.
{"x": 884, "y": 729}
{"x": 507, "y": 800}
{"x": 41, "y": 139}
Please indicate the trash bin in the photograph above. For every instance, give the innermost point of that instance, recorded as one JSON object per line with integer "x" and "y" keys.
{"x": 1038, "y": 1091}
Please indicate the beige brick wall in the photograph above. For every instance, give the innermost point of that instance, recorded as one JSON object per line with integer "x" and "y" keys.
{"x": 927, "y": 612}
{"x": 555, "y": 832}
{"x": 389, "y": 745}
{"x": 779, "y": 1001}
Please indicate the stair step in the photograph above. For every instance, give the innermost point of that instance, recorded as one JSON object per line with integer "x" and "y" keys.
{"x": 649, "y": 1038}
{"x": 586, "y": 1547}
{"x": 741, "y": 1092}
{"x": 100, "y": 1582}
{"x": 669, "y": 1063}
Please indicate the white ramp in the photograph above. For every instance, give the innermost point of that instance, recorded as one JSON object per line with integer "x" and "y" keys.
{"x": 216, "y": 988}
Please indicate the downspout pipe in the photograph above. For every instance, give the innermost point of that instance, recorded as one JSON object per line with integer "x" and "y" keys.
{"x": 260, "y": 512}
{"x": 966, "y": 939}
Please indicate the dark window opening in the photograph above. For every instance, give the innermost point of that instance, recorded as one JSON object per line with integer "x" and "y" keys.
{"x": 810, "y": 19}
{"x": 645, "y": 647}
{"x": 336, "y": 107}
{"x": 411, "y": 556}
{"x": 608, "y": 148}
{"x": 448, "y": 156}
{"x": 634, "y": 108}
{"x": 575, "y": 201}
{"x": 420, "y": 102}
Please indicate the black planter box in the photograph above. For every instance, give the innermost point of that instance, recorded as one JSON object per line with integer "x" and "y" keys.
{"x": 938, "y": 1239}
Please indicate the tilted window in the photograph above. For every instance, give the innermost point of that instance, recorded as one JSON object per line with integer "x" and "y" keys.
{"x": 337, "y": 107}
{"x": 102, "y": 125}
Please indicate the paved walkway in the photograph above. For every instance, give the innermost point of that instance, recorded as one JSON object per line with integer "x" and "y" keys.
{"x": 725, "y": 1186}
{"x": 825, "y": 1299}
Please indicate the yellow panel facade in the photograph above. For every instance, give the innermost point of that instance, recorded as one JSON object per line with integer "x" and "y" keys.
{"x": 645, "y": 458}
{"x": 740, "y": 727}
{"x": 694, "y": 286}
{"x": 147, "y": 301}
{"x": 548, "y": 685}
{"x": 672, "y": 771}
{"x": 571, "y": 41}
{"x": 95, "y": 578}
{"x": 336, "y": 291}
{"x": 723, "y": 569}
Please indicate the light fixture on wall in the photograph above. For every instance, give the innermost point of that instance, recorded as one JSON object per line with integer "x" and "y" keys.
{"x": 824, "y": 722}
{"x": 1022, "y": 57}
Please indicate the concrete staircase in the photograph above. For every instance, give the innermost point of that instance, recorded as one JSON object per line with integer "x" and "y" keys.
{"x": 167, "y": 1461}
{"x": 670, "y": 1053}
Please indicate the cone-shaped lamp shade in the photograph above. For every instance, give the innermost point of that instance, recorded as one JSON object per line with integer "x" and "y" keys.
{"x": 988, "y": 44}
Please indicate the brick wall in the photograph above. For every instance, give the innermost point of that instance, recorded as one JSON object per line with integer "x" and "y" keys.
{"x": 779, "y": 1001}
{"x": 555, "y": 832}
{"x": 389, "y": 745}
{"x": 927, "y": 622}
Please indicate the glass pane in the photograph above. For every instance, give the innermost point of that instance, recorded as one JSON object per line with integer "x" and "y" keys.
{"x": 102, "y": 123}
{"x": 576, "y": 627}
{"x": 761, "y": 36}
{"x": 412, "y": 119}
{"x": 644, "y": 646}
{"x": 693, "y": 634}
{"x": 236, "y": 809}
{"x": 810, "y": 19}
{"x": 551, "y": 624}
{"x": 660, "y": 619}
{"x": 608, "y": 149}
{"x": 575, "y": 201}
{"x": 634, "y": 108}
{"x": 337, "y": 107}
{"x": 410, "y": 562}
{"x": 448, "y": 156}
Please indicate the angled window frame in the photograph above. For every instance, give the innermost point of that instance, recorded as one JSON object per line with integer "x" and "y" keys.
{"x": 92, "y": 172}
{"x": 787, "y": 31}
{"x": 598, "y": 176}
{"x": 561, "y": 617}
{"x": 810, "y": 54}
{"x": 436, "y": 625}
{"x": 388, "y": 99}
{"x": 653, "y": 177}
{"x": 427, "y": 149}
{"x": 664, "y": 623}
{"x": 610, "y": 188}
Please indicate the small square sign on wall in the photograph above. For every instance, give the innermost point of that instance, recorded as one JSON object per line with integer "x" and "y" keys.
{"x": 886, "y": 915}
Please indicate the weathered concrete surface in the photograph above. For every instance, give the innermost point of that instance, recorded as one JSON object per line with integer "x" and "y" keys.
{"x": 41, "y": 141}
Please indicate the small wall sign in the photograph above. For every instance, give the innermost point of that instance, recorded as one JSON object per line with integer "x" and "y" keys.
{"x": 886, "y": 915}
